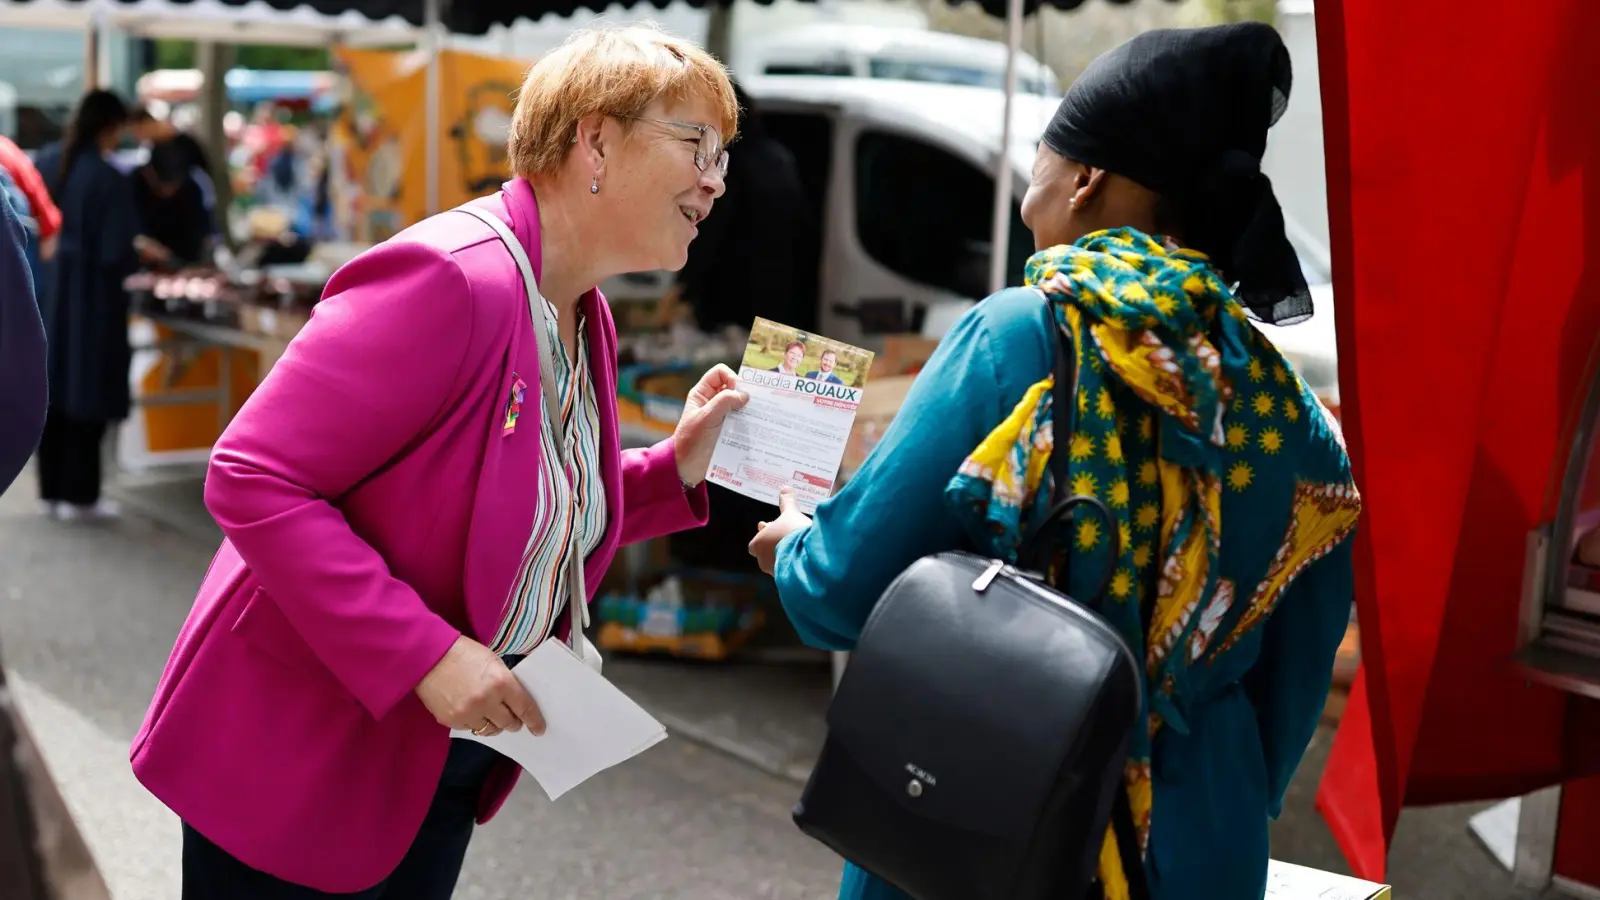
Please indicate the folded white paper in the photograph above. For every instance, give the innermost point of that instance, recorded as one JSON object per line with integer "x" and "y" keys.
{"x": 590, "y": 725}
{"x": 1286, "y": 881}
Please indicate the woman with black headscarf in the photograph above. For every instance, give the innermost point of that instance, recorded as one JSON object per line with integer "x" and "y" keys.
{"x": 1158, "y": 238}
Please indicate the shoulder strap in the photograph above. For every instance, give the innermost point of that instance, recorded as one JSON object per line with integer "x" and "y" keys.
{"x": 577, "y": 599}
{"x": 536, "y": 311}
{"x": 1064, "y": 412}
{"x": 1064, "y": 408}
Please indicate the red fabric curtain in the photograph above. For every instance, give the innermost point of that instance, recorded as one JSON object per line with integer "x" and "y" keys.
{"x": 1463, "y": 154}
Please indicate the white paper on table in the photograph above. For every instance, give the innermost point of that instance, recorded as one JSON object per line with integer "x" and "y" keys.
{"x": 590, "y": 725}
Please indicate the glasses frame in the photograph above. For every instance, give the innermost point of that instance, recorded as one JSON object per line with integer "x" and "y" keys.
{"x": 704, "y": 156}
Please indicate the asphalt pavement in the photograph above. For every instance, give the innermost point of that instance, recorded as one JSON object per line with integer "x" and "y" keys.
{"x": 88, "y": 613}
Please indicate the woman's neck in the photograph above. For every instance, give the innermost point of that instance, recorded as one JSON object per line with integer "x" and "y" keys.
{"x": 567, "y": 236}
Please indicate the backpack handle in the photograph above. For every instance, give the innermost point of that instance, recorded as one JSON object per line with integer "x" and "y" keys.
{"x": 1041, "y": 543}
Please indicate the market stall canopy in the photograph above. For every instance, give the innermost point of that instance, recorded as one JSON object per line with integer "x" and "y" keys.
{"x": 1467, "y": 271}
{"x": 459, "y": 16}
{"x": 223, "y": 21}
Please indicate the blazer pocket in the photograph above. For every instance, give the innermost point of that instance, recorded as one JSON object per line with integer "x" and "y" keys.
{"x": 264, "y": 627}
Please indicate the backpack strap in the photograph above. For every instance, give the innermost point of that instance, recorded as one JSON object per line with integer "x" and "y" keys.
{"x": 1064, "y": 411}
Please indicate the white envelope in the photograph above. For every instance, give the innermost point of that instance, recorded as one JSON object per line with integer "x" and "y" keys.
{"x": 590, "y": 725}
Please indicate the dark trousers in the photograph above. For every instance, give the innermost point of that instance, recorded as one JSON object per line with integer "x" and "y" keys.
{"x": 427, "y": 872}
{"x": 69, "y": 460}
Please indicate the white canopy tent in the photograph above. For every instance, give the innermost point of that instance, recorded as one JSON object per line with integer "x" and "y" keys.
{"x": 214, "y": 21}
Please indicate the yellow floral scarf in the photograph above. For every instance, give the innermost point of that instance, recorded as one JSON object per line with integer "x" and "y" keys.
{"x": 1164, "y": 355}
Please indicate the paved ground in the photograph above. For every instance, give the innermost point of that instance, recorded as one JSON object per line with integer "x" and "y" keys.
{"x": 88, "y": 613}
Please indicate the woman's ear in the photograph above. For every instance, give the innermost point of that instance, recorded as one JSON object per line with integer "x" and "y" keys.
{"x": 1088, "y": 185}
{"x": 592, "y": 143}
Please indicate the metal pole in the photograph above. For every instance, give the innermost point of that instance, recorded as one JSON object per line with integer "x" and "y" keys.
{"x": 92, "y": 39}
{"x": 1000, "y": 236}
{"x": 435, "y": 31}
{"x": 719, "y": 30}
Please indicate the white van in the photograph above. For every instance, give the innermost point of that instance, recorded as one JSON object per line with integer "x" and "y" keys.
{"x": 895, "y": 53}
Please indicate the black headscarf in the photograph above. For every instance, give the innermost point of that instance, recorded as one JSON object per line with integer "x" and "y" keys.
{"x": 1185, "y": 113}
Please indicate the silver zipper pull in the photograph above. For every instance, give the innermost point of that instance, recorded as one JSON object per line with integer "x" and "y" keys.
{"x": 988, "y": 576}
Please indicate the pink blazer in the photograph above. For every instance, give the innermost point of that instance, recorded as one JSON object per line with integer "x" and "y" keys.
{"x": 374, "y": 509}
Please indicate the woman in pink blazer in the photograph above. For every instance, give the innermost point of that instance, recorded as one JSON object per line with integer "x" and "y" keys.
{"x": 405, "y": 513}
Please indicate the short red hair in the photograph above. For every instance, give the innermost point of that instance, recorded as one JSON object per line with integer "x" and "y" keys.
{"x": 615, "y": 71}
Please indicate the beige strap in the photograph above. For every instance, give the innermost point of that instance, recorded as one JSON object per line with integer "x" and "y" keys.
{"x": 577, "y": 600}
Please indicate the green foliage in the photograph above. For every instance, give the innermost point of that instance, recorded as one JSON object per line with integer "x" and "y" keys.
{"x": 1218, "y": 12}
{"x": 171, "y": 54}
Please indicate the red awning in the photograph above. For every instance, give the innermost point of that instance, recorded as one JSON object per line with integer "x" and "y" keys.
{"x": 1465, "y": 223}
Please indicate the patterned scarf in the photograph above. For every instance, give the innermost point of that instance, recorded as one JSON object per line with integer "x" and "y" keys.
{"x": 1160, "y": 343}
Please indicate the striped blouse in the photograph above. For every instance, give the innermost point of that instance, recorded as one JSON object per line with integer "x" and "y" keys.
{"x": 540, "y": 593}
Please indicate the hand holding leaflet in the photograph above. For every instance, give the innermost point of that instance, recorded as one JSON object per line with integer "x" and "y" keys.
{"x": 590, "y": 725}
{"x": 804, "y": 391}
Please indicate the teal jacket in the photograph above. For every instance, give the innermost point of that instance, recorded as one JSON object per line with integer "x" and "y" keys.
{"x": 1250, "y": 719}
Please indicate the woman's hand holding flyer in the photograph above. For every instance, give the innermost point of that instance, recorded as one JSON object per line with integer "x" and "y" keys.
{"x": 804, "y": 391}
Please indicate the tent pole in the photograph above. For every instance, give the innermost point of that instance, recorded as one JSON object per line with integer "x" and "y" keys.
{"x": 93, "y": 37}
{"x": 1000, "y": 236}
{"x": 431, "y": 24}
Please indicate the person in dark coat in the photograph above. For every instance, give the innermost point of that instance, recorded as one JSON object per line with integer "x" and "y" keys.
{"x": 22, "y": 349}
{"x": 172, "y": 208}
{"x": 743, "y": 262}
{"x": 86, "y": 314}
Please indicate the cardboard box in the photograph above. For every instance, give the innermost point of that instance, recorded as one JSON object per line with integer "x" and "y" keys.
{"x": 902, "y": 354}
{"x": 880, "y": 402}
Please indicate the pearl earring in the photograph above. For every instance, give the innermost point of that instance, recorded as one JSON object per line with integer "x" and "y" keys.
{"x": 594, "y": 186}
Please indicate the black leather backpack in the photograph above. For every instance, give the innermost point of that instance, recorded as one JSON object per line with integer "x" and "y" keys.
{"x": 977, "y": 740}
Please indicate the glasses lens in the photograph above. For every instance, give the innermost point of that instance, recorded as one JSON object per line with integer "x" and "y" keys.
{"x": 722, "y": 163}
{"x": 710, "y": 146}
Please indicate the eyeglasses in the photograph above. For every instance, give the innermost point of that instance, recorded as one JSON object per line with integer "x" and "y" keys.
{"x": 710, "y": 150}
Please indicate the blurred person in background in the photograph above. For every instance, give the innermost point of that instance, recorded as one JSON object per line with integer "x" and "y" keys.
{"x": 145, "y": 129}
{"x": 149, "y": 132}
{"x": 86, "y": 309}
{"x": 23, "y": 388}
{"x": 406, "y": 516}
{"x": 751, "y": 242}
{"x": 140, "y": 131}
{"x": 741, "y": 266}
{"x": 1234, "y": 502}
{"x": 173, "y": 218}
{"x": 198, "y": 164}
{"x": 42, "y": 218}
